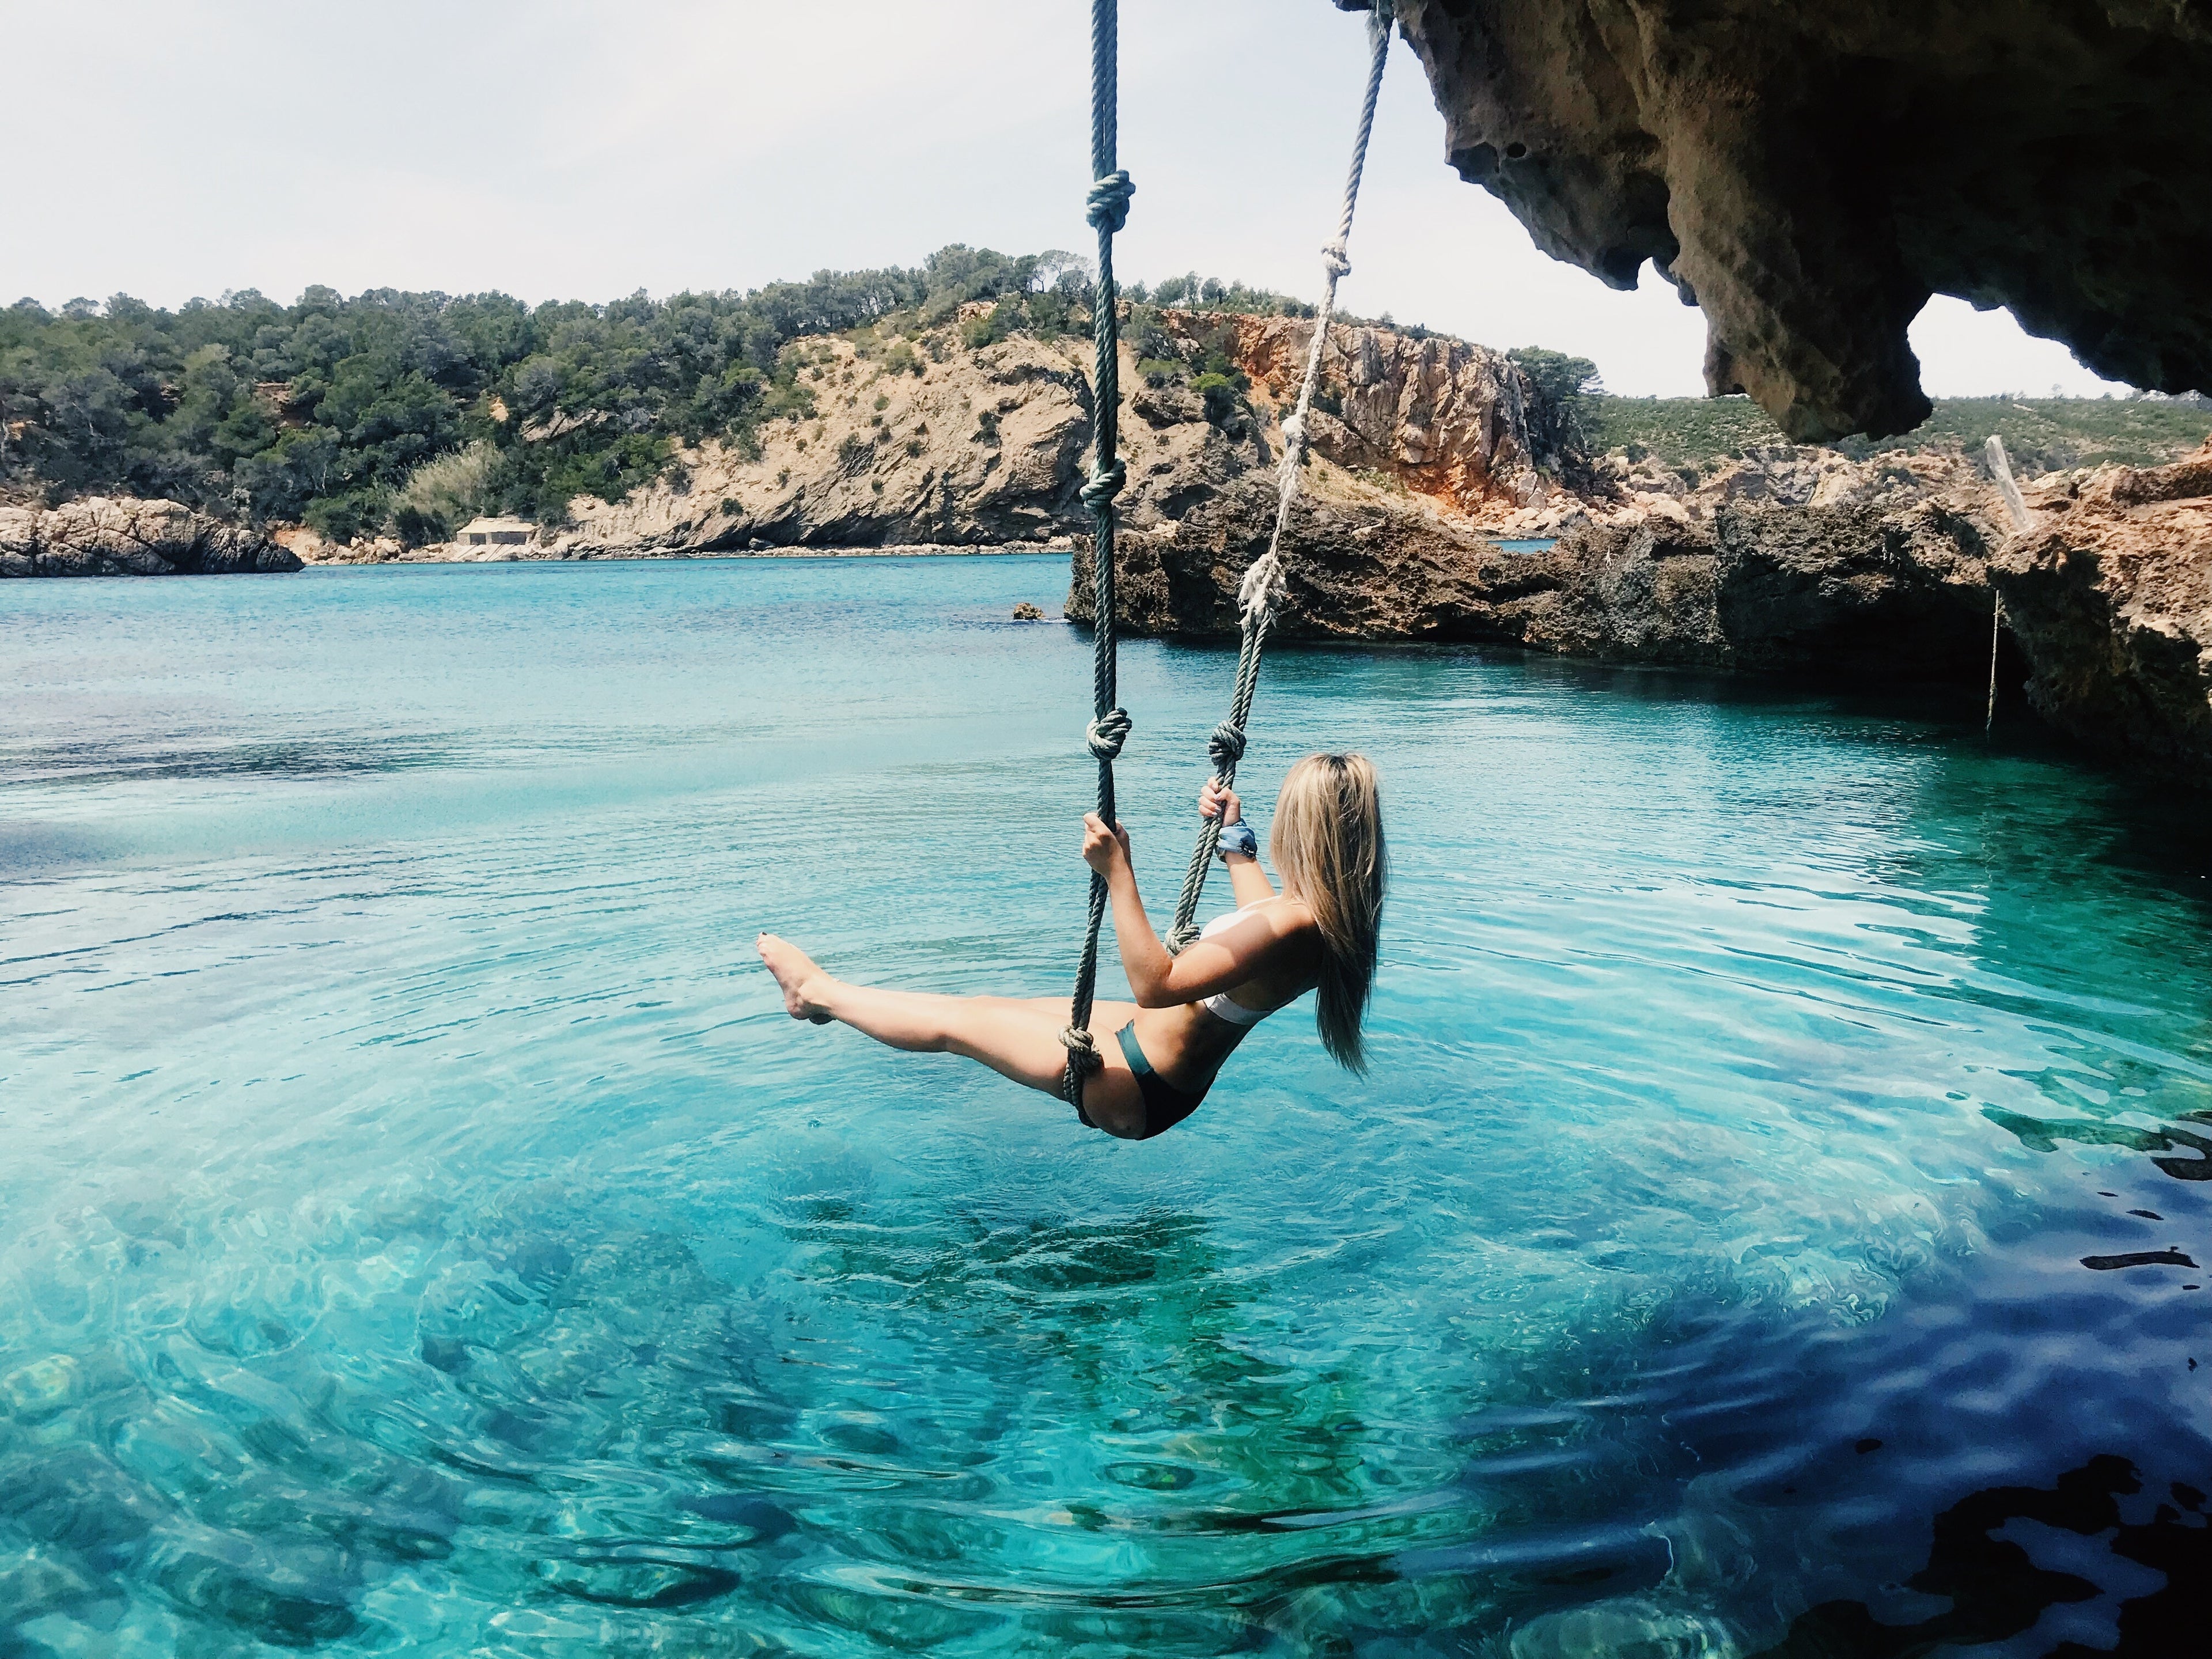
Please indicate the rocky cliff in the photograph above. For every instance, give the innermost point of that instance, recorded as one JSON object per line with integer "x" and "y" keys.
{"x": 1809, "y": 175}
{"x": 951, "y": 446}
{"x": 99, "y": 537}
{"x": 2110, "y": 594}
{"x": 1789, "y": 561}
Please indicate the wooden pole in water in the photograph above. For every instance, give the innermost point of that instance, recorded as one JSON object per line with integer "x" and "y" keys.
{"x": 2023, "y": 519}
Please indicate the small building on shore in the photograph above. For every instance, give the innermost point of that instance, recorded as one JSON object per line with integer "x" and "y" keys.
{"x": 494, "y": 532}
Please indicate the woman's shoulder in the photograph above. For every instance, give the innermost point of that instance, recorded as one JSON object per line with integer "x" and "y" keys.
{"x": 1286, "y": 912}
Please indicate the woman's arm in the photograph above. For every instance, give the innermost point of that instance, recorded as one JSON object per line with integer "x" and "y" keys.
{"x": 1158, "y": 980}
{"x": 1247, "y": 880}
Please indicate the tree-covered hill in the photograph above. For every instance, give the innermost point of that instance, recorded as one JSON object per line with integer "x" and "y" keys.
{"x": 407, "y": 411}
{"x": 406, "y": 414}
{"x": 2042, "y": 434}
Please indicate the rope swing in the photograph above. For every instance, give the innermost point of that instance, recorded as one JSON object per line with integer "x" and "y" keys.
{"x": 1107, "y": 208}
{"x": 1263, "y": 589}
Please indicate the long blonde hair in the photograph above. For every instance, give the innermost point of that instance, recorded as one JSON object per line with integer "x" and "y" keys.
{"x": 1327, "y": 840}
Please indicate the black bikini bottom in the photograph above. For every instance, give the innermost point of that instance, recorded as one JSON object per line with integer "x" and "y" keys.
{"x": 1165, "y": 1105}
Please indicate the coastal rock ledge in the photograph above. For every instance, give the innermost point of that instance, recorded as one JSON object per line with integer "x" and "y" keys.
{"x": 125, "y": 537}
{"x": 1867, "y": 572}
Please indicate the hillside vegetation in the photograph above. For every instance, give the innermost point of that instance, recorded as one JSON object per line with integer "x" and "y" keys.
{"x": 406, "y": 414}
{"x": 2041, "y": 434}
{"x": 411, "y": 412}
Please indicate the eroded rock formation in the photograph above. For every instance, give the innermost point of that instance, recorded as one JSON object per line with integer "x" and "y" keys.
{"x": 1809, "y": 175}
{"x": 1885, "y": 576}
{"x": 100, "y": 537}
{"x": 988, "y": 447}
{"x": 2111, "y": 596}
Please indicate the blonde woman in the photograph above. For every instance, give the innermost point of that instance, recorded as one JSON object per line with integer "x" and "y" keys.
{"x": 1319, "y": 933}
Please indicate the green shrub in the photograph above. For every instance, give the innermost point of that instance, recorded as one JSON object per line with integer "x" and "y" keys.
{"x": 1225, "y": 399}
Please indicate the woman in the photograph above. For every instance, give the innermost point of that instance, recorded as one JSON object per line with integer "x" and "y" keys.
{"x": 1191, "y": 1010}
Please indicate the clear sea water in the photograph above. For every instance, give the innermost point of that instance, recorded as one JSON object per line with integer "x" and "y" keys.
{"x": 422, "y": 1231}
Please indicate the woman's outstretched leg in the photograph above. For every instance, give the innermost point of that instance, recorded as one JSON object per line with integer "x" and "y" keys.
{"x": 1016, "y": 1037}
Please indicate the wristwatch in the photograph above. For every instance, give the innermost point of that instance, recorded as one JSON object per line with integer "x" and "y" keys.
{"x": 1238, "y": 838}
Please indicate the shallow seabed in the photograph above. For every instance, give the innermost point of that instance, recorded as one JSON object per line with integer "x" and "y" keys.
{"x": 1769, "y": 1223}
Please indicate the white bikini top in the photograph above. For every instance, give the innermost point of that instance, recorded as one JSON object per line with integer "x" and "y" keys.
{"x": 1220, "y": 1005}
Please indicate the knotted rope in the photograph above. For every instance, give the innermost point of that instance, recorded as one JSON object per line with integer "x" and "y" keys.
{"x": 1107, "y": 207}
{"x": 1262, "y": 589}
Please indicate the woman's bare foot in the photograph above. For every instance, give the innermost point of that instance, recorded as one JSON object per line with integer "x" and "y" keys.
{"x": 795, "y": 972}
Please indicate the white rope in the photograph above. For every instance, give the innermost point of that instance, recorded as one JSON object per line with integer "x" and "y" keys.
{"x": 1263, "y": 588}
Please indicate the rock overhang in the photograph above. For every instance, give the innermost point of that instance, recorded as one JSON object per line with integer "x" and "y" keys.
{"x": 1809, "y": 175}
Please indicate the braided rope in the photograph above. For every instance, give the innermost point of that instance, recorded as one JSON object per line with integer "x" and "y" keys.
{"x": 1107, "y": 208}
{"x": 1263, "y": 588}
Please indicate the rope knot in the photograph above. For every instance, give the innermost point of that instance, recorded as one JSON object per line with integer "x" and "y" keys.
{"x": 1294, "y": 435}
{"x": 1263, "y": 587}
{"x": 1082, "y": 1051}
{"x": 1099, "y": 494}
{"x": 1225, "y": 748}
{"x": 1180, "y": 939}
{"x": 1333, "y": 261}
{"x": 1106, "y": 734}
{"x": 1107, "y": 206}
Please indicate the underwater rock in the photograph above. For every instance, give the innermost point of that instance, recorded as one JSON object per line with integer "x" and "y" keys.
{"x": 1809, "y": 175}
{"x": 125, "y": 537}
{"x": 289, "y": 1594}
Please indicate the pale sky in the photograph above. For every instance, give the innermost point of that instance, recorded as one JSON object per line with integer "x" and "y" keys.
{"x": 584, "y": 149}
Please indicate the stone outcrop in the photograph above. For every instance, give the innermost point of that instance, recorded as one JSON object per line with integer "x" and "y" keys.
{"x": 1809, "y": 175}
{"x": 987, "y": 447}
{"x": 2109, "y": 595}
{"x": 1446, "y": 419}
{"x": 100, "y": 537}
{"x": 1779, "y": 563}
{"x": 1791, "y": 560}
{"x": 982, "y": 447}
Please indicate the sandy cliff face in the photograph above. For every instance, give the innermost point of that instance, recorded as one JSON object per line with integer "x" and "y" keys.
{"x": 126, "y": 537}
{"x": 1808, "y": 174}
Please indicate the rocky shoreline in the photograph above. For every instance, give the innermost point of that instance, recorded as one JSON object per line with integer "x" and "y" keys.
{"x": 1789, "y": 559}
{"x": 100, "y": 537}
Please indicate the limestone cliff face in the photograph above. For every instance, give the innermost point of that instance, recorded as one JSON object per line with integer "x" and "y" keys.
{"x": 1791, "y": 561}
{"x": 1444, "y": 418}
{"x": 985, "y": 448}
{"x": 2111, "y": 596}
{"x": 126, "y": 537}
{"x": 1776, "y": 563}
{"x": 1809, "y": 175}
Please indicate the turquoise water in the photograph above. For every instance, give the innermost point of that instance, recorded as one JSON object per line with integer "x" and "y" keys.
{"x": 422, "y": 1231}
{"x": 1525, "y": 543}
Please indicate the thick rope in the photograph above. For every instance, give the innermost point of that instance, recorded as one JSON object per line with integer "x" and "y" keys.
{"x": 1107, "y": 207}
{"x": 1262, "y": 589}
